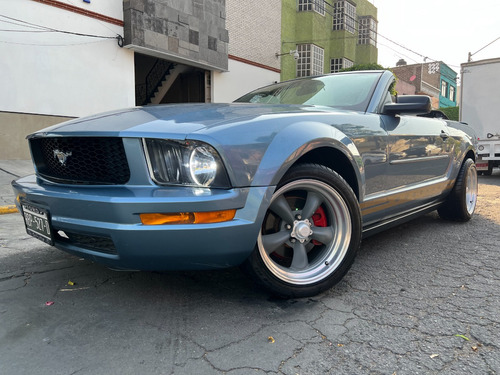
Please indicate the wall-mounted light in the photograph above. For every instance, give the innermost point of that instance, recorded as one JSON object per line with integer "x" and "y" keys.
{"x": 293, "y": 53}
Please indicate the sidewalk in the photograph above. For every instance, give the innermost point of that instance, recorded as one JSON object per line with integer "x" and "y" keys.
{"x": 11, "y": 170}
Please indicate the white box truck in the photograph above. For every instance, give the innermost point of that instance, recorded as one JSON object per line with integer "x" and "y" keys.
{"x": 480, "y": 108}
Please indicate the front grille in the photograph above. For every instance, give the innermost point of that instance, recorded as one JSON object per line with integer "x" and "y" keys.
{"x": 81, "y": 160}
{"x": 96, "y": 243}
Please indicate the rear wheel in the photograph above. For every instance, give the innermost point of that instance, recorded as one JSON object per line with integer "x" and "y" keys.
{"x": 461, "y": 202}
{"x": 310, "y": 234}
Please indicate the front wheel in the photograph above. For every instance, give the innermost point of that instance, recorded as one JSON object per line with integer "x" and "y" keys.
{"x": 461, "y": 203}
{"x": 310, "y": 234}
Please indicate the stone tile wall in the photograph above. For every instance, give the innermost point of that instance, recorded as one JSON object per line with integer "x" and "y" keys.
{"x": 188, "y": 31}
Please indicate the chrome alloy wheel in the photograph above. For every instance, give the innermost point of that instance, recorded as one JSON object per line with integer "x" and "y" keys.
{"x": 306, "y": 232}
{"x": 471, "y": 187}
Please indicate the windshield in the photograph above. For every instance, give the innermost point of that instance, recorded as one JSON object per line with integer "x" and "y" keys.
{"x": 345, "y": 91}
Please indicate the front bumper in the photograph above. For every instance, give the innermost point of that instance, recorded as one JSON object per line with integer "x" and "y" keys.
{"x": 103, "y": 223}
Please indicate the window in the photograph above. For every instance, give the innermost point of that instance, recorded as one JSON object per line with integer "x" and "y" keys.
{"x": 344, "y": 16}
{"x": 344, "y": 91}
{"x": 316, "y": 5}
{"x": 311, "y": 60}
{"x": 444, "y": 89}
{"x": 367, "y": 31}
{"x": 337, "y": 64}
{"x": 452, "y": 93}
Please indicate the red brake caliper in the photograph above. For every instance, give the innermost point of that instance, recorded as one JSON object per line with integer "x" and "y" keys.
{"x": 319, "y": 219}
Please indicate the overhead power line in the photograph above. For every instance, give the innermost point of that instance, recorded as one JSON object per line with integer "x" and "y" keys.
{"x": 40, "y": 28}
{"x": 472, "y": 54}
{"x": 25, "y": 31}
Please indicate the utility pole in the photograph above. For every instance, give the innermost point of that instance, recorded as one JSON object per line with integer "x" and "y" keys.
{"x": 472, "y": 54}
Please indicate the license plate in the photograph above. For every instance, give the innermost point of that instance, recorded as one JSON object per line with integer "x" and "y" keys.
{"x": 37, "y": 223}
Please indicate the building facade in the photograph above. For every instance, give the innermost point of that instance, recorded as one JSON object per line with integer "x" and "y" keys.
{"x": 176, "y": 44}
{"x": 201, "y": 50}
{"x": 67, "y": 59}
{"x": 435, "y": 79}
{"x": 448, "y": 96}
{"x": 327, "y": 36}
{"x": 254, "y": 39}
{"x": 59, "y": 61}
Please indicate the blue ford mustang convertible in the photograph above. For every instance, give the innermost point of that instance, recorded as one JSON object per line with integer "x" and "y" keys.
{"x": 284, "y": 182}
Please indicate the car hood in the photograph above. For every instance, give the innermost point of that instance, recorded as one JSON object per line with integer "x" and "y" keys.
{"x": 169, "y": 120}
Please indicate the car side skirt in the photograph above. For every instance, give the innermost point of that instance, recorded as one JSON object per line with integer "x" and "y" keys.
{"x": 399, "y": 205}
{"x": 404, "y": 217}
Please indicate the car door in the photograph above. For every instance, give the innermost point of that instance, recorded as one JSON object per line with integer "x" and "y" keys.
{"x": 420, "y": 153}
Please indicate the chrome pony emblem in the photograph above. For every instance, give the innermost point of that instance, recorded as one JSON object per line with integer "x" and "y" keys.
{"x": 62, "y": 156}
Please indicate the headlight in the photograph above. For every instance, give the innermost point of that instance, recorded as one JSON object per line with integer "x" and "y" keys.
{"x": 202, "y": 166}
{"x": 191, "y": 163}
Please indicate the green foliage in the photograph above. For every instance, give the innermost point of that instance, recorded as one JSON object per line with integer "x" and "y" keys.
{"x": 370, "y": 66}
{"x": 452, "y": 113}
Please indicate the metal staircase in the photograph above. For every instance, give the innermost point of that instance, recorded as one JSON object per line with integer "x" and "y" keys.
{"x": 146, "y": 92}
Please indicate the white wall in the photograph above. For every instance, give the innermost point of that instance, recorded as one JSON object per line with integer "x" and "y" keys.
{"x": 58, "y": 74}
{"x": 240, "y": 79}
{"x": 254, "y": 36}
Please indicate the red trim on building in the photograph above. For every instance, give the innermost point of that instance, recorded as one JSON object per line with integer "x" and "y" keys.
{"x": 81, "y": 11}
{"x": 249, "y": 62}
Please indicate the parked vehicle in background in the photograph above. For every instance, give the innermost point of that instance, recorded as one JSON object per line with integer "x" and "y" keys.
{"x": 479, "y": 104}
{"x": 285, "y": 181}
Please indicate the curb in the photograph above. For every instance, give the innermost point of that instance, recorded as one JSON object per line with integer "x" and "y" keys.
{"x": 10, "y": 209}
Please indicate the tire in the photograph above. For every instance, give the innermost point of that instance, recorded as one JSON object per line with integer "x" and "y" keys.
{"x": 461, "y": 202}
{"x": 310, "y": 234}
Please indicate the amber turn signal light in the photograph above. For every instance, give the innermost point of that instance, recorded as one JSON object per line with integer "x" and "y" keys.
{"x": 188, "y": 217}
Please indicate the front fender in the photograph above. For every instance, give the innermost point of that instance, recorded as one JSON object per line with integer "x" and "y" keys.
{"x": 297, "y": 140}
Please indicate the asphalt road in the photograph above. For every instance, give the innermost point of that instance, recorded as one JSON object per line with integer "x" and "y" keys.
{"x": 423, "y": 298}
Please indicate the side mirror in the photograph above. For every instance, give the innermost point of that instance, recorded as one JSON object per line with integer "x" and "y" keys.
{"x": 409, "y": 105}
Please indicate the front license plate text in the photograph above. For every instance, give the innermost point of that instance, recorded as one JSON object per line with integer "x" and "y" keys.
{"x": 37, "y": 223}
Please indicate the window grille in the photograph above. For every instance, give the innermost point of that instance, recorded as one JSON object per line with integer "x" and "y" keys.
{"x": 311, "y": 60}
{"x": 367, "y": 31}
{"x": 344, "y": 16}
{"x": 308, "y": 5}
{"x": 337, "y": 64}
